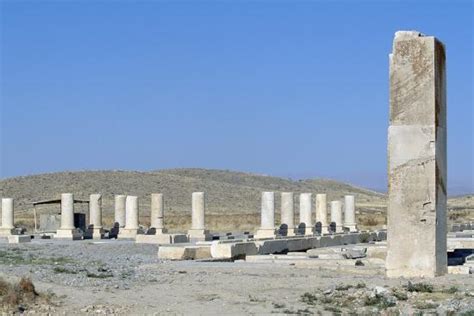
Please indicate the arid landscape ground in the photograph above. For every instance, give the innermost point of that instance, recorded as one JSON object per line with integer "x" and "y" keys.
{"x": 120, "y": 277}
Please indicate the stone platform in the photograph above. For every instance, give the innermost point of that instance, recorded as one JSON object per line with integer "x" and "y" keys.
{"x": 236, "y": 249}
{"x": 161, "y": 239}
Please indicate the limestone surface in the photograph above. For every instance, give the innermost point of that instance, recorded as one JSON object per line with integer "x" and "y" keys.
{"x": 7, "y": 217}
{"x": 336, "y": 215}
{"x": 417, "y": 157}
{"x": 267, "y": 222}
{"x": 120, "y": 209}
{"x": 288, "y": 212}
{"x": 305, "y": 213}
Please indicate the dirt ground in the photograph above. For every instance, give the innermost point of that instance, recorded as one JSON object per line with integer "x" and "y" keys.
{"x": 120, "y": 277}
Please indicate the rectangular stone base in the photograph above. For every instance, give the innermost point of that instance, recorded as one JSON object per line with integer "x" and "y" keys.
{"x": 71, "y": 234}
{"x": 97, "y": 233}
{"x": 6, "y": 231}
{"x": 232, "y": 250}
{"x": 184, "y": 252}
{"x": 265, "y": 233}
{"x": 19, "y": 239}
{"x": 309, "y": 231}
{"x": 240, "y": 248}
{"x": 127, "y": 233}
{"x": 162, "y": 239}
{"x": 199, "y": 235}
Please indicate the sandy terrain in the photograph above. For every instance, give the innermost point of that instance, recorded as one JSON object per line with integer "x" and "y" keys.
{"x": 123, "y": 278}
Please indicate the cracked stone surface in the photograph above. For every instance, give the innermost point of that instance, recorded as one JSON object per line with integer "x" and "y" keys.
{"x": 417, "y": 157}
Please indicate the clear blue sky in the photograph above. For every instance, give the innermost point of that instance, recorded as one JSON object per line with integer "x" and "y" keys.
{"x": 287, "y": 88}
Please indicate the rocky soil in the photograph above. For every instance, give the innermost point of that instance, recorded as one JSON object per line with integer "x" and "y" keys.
{"x": 120, "y": 277}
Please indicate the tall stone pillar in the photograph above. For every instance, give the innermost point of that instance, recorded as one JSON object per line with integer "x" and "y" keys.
{"x": 131, "y": 218}
{"x": 305, "y": 213}
{"x": 157, "y": 213}
{"x": 349, "y": 213}
{"x": 95, "y": 215}
{"x": 67, "y": 229}
{"x": 288, "y": 213}
{"x": 336, "y": 215}
{"x": 198, "y": 230}
{"x": 7, "y": 217}
{"x": 267, "y": 224}
{"x": 120, "y": 210}
{"x": 322, "y": 213}
{"x": 417, "y": 170}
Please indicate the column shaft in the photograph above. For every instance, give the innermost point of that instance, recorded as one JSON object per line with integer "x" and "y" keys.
{"x": 67, "y": 211}
{"x": 120, "y": 209}
{"x": 157, "y": 211}
{"x": 336, "y": 215}
{"x": 7, "y": 214}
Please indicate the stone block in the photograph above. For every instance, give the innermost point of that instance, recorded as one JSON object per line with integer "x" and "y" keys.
{"x": 5, "y": 232}
{"x": 349, "y": 239}
{"x": 331, "y": 240}
{"x": 265, "y": 233}
{"x": 19, "y": 239}
{"x": 184, "y": 252}
{"x": 460, "y": 243}
{"x": 71, "y": 234}
{"x": 231, "y": 250}
{"x": 125, "y": 233}
{"x": 199, "y": 235}
{"x": 272, "y": 246}
{"x": 459, "y": 270}
{"x": 162, "y": 239}
{"x": 377, "y": 252}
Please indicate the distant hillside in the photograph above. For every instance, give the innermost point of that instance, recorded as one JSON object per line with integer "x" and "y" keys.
{"x": 228, "y": 192}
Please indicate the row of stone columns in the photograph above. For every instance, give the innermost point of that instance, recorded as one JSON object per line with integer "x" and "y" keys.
{"x": 127, "y": 215}
{"x": 306, "y": 226}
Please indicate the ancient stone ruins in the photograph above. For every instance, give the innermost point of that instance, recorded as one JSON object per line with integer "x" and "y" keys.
{"x": 417, "y": 244}
{"x": 417, "y": 157}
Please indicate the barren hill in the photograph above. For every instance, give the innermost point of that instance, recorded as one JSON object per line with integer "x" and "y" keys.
{"x": 229, "y": 193}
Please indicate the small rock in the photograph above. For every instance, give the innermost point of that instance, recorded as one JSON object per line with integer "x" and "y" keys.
{"x": 379, "y": 290}
{"x": 327, "y": 292}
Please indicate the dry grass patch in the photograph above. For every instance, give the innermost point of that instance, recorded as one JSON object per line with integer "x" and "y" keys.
{"x": 20, "y": 296}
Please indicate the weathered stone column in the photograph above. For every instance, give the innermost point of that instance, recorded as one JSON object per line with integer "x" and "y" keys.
{"x": 7, "y": 217}
{"x": 336, "y": 215}
{"x": 95, "y": 215}
{"x": 198, "y": 230}
{"x": 417, "y": 158}
{"x": 120, "y": 210}
{"x": 322, "y": 213}
{"x": 349, "y": 213}
{"x": 305, "y": 213}
{"x": 67, "y": 229}
{"x": 131, "y": 218}
{"x": 288, "y": 212}
{"x": 157, "y": 213}
{"x": 131, "y": 212}
{"x": 267, "y": 224}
